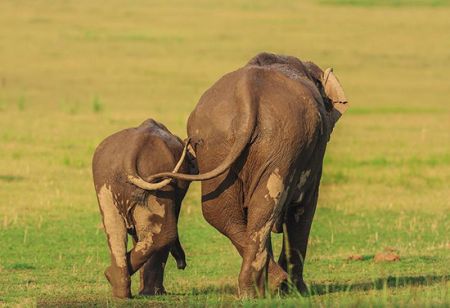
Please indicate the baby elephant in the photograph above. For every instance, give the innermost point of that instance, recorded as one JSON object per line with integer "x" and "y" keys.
{"x": 147, "y": 211}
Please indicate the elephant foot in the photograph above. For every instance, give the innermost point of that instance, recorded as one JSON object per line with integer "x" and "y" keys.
{"x": 247, "y": 287}
{"x": 247, "y": 293}
{"x": 302, "y": 288}
{"x": 153, "y": 291}
{"x": 120, "y": 281}
{"x": 287, "y": 287}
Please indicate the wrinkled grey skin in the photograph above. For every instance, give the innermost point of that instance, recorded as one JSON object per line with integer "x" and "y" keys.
{"x": 150, "y": 216}
{"x": 259, "y": 134}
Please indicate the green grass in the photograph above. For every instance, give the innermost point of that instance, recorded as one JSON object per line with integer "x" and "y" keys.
{"x": 97, "y": 105}
{"x": 74, "y": 72}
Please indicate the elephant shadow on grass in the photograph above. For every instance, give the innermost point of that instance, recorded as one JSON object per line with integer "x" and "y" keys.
{"x": 377, "y": 284}
{"x": 214, "y": 289}
{"x": 317, "y": 289}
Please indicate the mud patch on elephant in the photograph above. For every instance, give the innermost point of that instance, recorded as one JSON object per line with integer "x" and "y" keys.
{"x": 114, "y": 225}
{"x": 303, "y": 178}
{"x": 262, "y": 234}
{"x": 155, "y": 207}
{"x": 146, "y": 236}
{"x": 260, "y": 260}
{"x": 300, "y": 198}
{"x": 275, "y": 186}
{"x": 145, "y": 227}
{"x": 299, "y": 212}
{"x": 260, "y": 237}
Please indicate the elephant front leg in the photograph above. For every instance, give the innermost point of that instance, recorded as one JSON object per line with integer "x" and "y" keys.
{"x": 295, "y": 236}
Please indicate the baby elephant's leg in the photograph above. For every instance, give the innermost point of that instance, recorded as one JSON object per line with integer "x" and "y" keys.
{"x": 152, "y": 277}
{"x": 152, "y": 273}
{"x": 156, "y": 232}
{"x": 117, "y": 273}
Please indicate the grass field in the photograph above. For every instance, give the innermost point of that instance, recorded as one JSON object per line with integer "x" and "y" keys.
{"x": 73, "y": 72}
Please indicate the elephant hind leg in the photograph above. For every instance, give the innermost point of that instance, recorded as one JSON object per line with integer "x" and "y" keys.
{"x": 252, "y": 280}
{"x": 152, "y": 273}
{"x": 116, "y": 232}
{"x": 224, "y": 195}
{"x": 263, "y": 210}
{"x": 234, "y": 225}
{"x": 155, "y": 226}
{"x": 146, "y": 230}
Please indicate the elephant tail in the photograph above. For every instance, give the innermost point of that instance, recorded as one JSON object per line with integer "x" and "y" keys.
{"x": 246, "y": 102}
{"x": 134, "y": 177}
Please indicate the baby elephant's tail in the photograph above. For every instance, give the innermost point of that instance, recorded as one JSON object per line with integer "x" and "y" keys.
{"x": 135, "y": 178}
{"x": 178, "y": 253}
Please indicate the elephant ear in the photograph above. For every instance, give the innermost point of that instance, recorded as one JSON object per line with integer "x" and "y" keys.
{"x": 316, "y": 75}
{"x": 334, "y": 90}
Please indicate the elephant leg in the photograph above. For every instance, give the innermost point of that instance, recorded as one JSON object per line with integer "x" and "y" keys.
{"x": 223, "y": 209}
{"x": 116, "y": 232}
{"x": 152, "y": 277}
{"x": 295, "y": 239}
{"x": 156, "y": 232}
{"x": 152, "y": 272}
{"x": 276, "y": 274}
{"x": 255, "y": 256}
{"x": 224, "y": 194}
{"x": 264, "y": 207}
{"x": 141, "y": 270}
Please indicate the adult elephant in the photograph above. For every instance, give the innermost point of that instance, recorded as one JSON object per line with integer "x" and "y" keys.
{"x": 259, "y": 134}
